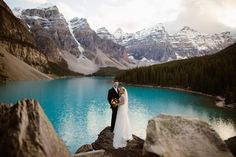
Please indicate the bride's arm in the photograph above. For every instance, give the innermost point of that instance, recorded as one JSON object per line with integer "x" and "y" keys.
{"x": 121, "y": 100}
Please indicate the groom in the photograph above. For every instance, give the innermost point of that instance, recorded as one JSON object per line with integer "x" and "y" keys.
{"x": 113, "y": 93}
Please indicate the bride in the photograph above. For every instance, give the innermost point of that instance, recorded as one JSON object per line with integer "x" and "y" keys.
{"x": 122, "y": 130}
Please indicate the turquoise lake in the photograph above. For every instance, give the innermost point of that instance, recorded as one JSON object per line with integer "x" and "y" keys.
{"x": 78, "y": 107}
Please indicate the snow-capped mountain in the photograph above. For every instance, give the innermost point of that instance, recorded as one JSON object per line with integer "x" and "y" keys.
{"x": 86, "y": 50}
{"x": 157, "y": 45}
{"x": 105, "y": 34}
{"x": 50, "y": 31}
{"x": 102, "y": 51}
{"x": 73, "y": 41}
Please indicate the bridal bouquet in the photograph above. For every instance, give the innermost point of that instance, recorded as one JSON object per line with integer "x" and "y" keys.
{"x": 114, "y": 102}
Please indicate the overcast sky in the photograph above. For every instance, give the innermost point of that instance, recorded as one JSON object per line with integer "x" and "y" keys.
{"x": 208, "y": 16}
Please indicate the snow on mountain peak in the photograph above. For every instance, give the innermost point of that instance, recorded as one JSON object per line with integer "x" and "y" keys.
{"x": 47, "y": 6}
{"x": 79, "y": 23}
{"x": 104, "y": 33}
{"x": 187, "y": 29}
{"x": 102, "y": 30}
{"x": 189, "y": 32}
{"x": 158, "y": 27}
{"x": 17, "y": 11}
{"x": 157, "y": 30}
{"x": 119, "y": 33}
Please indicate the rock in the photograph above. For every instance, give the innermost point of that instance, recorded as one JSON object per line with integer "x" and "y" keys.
{"x": 25, "y": 131}
{"x": 96, "y": 153}
{"x": 50, "y": 31}
{"x": 231, "y": 143}
{"x": 176, "y": 136}
{"x": 105, "y": 142}
{"x": 85, "y": 148}
{"x": 17, "y": 40}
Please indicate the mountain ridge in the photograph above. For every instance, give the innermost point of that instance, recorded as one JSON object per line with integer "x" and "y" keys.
{"x": 155, "y": 43}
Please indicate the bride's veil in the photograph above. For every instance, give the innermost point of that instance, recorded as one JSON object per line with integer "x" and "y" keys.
{"x": 126, "y": 96}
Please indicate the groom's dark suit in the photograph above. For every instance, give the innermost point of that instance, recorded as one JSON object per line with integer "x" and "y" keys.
{"x": 112, "y": 94}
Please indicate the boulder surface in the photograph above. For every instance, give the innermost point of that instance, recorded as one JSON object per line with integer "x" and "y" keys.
{"x": 25, "y": 131}
{"x": 176, "y": 136}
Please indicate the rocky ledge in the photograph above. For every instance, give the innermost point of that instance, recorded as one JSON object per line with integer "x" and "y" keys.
{"x": 104, "y": 142}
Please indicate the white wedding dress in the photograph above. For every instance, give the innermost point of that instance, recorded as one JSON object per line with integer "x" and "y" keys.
{"x": 122, "y": 130}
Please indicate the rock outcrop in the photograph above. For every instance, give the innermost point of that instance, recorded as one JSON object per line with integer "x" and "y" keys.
{"x": 13, "y": 69}
{"x": 104, "y": 142}
{"x": 25, "y": 131}
{"x": 169, "y": 136}
{"x": 50, "y": 31}
{"x": 231, "y": 143}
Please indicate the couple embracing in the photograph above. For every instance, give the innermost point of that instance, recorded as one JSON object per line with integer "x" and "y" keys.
{"x": 120, "y": 126}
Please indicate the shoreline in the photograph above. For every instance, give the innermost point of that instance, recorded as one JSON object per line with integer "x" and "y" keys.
{"x": 219, "y": 101}
{"x": 177, "y": 89}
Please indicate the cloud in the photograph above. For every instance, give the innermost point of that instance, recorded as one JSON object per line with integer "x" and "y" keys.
{"x": 209, "y": 16}
{"x": 66, "y": 10}
{"x": 37, "y": 1}
{"x": 132, "y": 15}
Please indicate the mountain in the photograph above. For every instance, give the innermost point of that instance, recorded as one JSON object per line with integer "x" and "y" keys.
{"x": 72, "y": 42}
{"x": 211, "y": 74}
{"x": 105, "y": 34}
{"x": 20, "y": 57}
{"x": 157, "y": 45}
{"x": 100, "y": 52}
{"x": 52, "y": 36}
{"x": 74, "y": 45}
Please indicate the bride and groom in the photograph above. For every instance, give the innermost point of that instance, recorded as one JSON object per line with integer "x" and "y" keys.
{"x": 118, "y": 100}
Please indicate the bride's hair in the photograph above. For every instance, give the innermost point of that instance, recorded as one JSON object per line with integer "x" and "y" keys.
{"x": 122, "y": 88}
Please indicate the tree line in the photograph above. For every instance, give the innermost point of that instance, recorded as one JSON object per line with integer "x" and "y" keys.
{"x": 212, "y": 74}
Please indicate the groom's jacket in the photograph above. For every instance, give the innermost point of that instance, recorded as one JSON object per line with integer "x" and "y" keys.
{"x": 112, "y": 94}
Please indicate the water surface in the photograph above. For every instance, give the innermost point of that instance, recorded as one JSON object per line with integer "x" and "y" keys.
{"x": 78, "y": 108}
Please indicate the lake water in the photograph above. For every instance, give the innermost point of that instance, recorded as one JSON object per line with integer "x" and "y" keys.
{"x": 78, "y": 107}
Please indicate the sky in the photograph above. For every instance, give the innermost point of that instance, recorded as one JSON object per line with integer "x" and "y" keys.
{"x": 208, "y": 16}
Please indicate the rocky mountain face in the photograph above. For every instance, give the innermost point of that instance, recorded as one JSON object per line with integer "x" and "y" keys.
{"x": 26, "y": 131}
{"x": 101, "y": 51}
{"x": 14, "y": 69}
{"x": 157, "y": 45}
{"x": 75, "y": 42}
{"x": 17, "y": 40}
{"x": 50, "y": 31}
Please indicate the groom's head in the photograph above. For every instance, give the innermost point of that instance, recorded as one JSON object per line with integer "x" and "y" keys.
{"x": 115, "y": 83}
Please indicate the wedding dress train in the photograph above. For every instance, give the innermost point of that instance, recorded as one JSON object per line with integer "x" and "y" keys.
{"x": 122, "y": 130}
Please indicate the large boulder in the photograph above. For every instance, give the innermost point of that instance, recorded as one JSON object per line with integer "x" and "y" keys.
{"x": 176, "y": 136}
{"x": 25, "y": 131}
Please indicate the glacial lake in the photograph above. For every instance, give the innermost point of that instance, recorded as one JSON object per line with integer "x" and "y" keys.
{"x": 78, "y": 107}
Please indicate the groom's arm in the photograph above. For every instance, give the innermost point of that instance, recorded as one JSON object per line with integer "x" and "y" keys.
{"x": 109, "y": 97}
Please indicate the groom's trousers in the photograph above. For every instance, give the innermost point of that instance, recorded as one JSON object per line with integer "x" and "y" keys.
{"x": 113, "y": 118}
